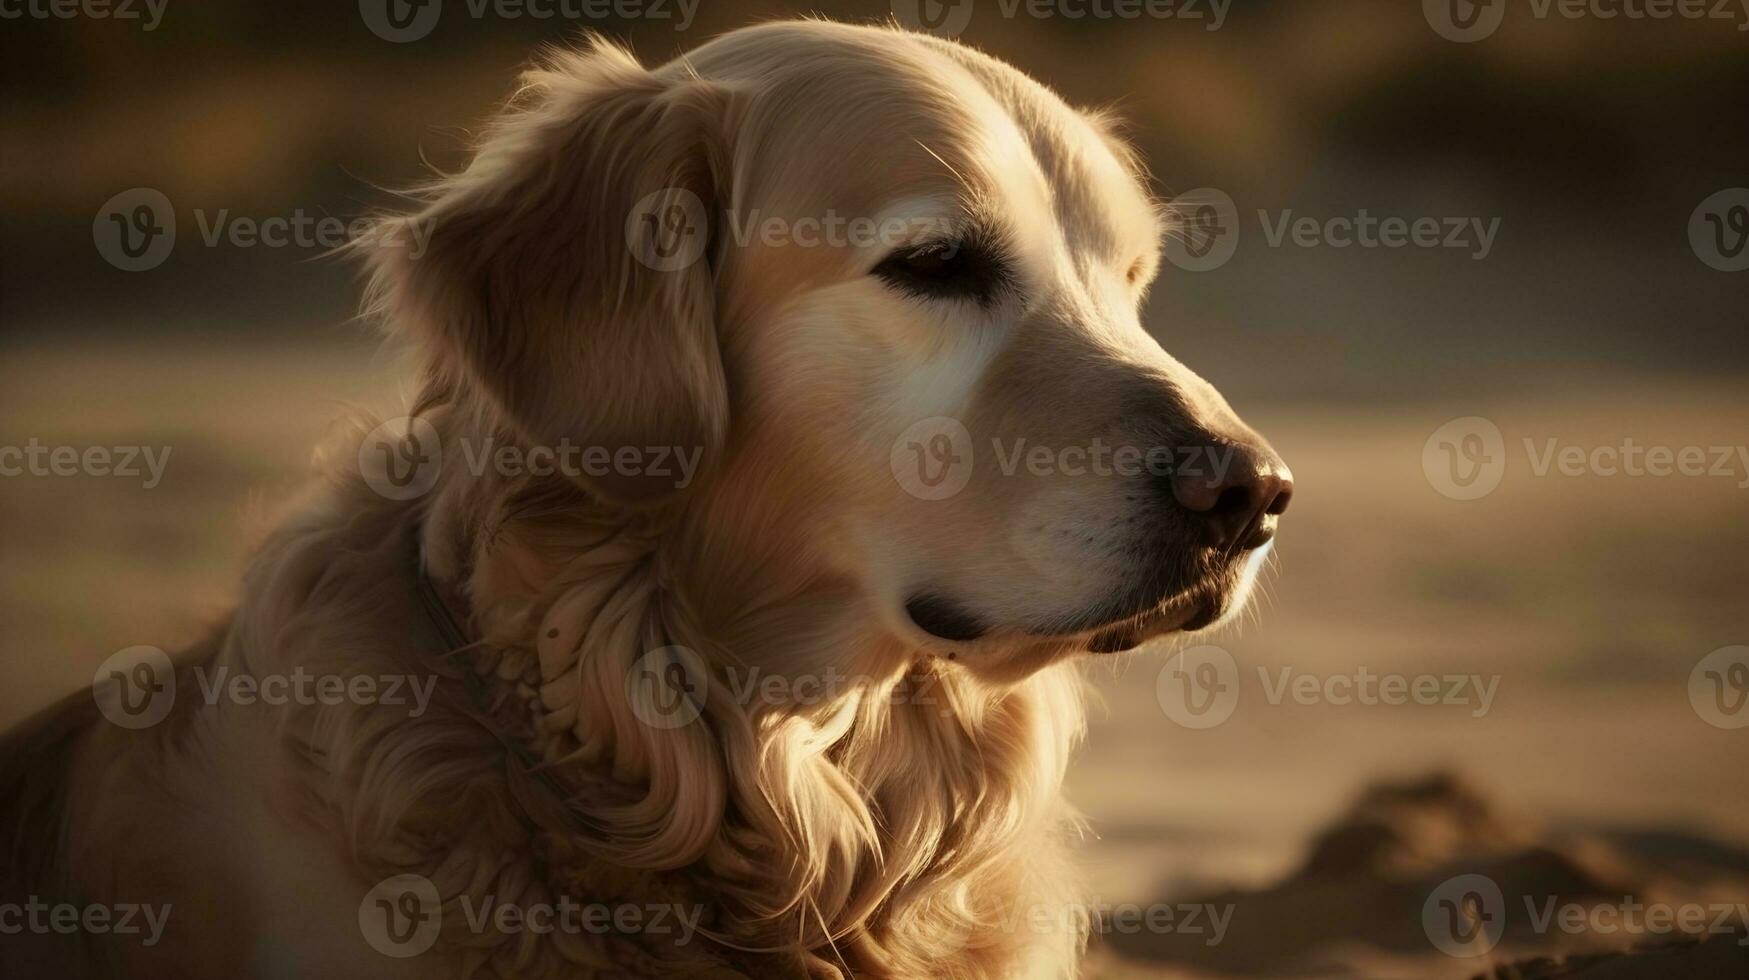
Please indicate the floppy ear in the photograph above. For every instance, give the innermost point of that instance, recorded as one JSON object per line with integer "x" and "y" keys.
{"x": 565, "y": 273}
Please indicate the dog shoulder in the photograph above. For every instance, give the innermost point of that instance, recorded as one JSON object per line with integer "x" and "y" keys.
{"x": 36, "y": 773}
{"x": 36, "y": 763}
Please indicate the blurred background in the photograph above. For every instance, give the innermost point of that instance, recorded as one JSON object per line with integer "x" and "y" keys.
{"x": 1603, "y": 151}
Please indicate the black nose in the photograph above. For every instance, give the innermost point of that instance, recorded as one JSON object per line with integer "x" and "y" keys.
{"x": 1239, "y": 491}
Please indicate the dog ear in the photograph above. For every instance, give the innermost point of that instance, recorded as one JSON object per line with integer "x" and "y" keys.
{"x": 565, "y": 274}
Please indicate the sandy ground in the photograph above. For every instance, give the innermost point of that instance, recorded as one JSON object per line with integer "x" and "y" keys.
{"x": 1581, "y": 604}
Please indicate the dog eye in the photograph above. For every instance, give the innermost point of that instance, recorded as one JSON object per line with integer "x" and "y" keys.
{"x": 945, "y": 270}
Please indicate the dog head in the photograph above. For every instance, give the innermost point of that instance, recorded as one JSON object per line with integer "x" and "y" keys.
{"x": 885, "y": 291}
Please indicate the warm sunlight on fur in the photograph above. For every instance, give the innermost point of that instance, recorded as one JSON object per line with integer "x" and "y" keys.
{"x": 902, "y": 818}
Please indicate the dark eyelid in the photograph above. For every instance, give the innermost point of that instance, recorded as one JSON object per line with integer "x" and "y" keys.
{"x": 982, "y": 269}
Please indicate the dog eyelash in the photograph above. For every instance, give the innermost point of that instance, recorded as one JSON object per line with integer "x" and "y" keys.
{"x": 962, "y": 269}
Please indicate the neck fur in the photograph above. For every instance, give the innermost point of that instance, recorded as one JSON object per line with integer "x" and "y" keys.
{"x": 903, "y": 822}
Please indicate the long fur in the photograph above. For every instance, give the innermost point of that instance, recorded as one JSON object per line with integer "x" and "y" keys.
{"x": 909, "y": 822}
{"x": 899, "y": 829}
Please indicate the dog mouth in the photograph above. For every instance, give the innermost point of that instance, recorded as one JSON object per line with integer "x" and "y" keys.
{"x": 1212, "y": 592}
{"x": 1186, "y": 610}
{"x": 1110, "y": 631}
{"x": 1170, "y": 617}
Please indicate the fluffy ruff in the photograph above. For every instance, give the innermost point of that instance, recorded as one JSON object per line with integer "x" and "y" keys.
{"x": 906, "y": 824}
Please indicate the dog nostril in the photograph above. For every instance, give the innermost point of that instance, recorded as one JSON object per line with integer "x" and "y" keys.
{"x": 1240, "y": 511}
{"x": 1234, "y": 503}
{"x": 1279, "y": 504}
{"x": 1238, "y": 504}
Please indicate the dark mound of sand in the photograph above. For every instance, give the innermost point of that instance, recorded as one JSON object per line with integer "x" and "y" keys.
{"x": 1432, "y": 878}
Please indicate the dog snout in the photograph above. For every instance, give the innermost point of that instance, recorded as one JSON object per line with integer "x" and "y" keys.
{"x": 1239, "y": 491}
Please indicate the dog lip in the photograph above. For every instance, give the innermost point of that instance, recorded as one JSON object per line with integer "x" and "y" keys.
{"x": 1168, "y": 618}
{"x": 1118, "y": 639}
{"x": 1115, "y": 639}
{"x": 1204, "y": 614}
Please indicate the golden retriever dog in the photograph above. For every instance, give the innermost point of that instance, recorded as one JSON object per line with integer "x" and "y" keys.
{"x": 786, "y": 442}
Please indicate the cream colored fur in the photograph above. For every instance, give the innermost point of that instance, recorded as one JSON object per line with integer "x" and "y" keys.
{"x": 910, "y": 823}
